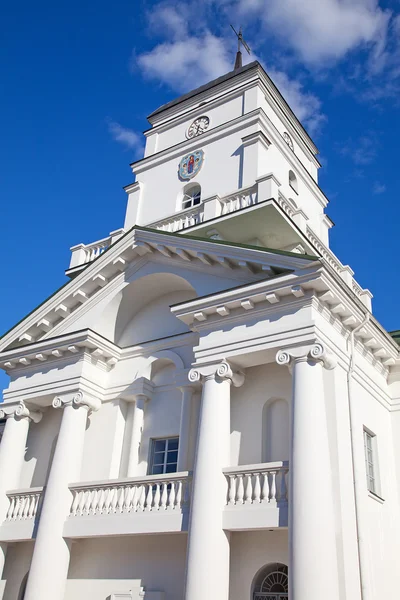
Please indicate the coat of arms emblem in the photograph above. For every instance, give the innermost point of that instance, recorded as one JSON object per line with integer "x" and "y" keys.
{"x": 191, "y": 164}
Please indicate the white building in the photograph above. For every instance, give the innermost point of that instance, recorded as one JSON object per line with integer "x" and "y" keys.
{"x": 208, "y": 409}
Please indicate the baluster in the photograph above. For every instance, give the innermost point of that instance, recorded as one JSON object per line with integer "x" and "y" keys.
{"x": 265, "y": 488}
{"x": 272, "y": 495}
{"x": 107, "y": 500}
{"x": 283, "y": 492}
{"x": 164, "y": 496}
{"x": 249, "y": 489}
{"x": 120, "y": 501}
{"x": 127, "y": 498}
{"x": 25, "y": 507}
{"x": 100, "y": 501}
{"x": 10, "y": 508}
{"x": 94, "y": 502}
{"x": 88, "y": 502}
{"x": 240, "y": 489}
{"x": 82, "y": 496}
{"x": 149, "y": 498}
{"x": 171, "y": 496}
{"x": 135, "y": 497}
{"x": 232, "y": 489}
{"x": 257, "y": 488}
{"x": 157, "y": 497}
{"x": 142, "y": 497}
{"x": 179, "y": 495}
{"x": 75, "y": 502}
{"x": 32, "y": 503}
{"x": 114, "y": 499}
{"x": 37, "y": 500}
{"x": 19, "y": 508}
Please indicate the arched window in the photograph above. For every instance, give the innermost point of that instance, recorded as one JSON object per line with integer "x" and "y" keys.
{"x": 191, "y": 195}
{"x": 293, "y": 182}
{"x": 271, "y": 583}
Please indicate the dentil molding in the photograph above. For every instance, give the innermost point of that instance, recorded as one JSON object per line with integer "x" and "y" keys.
{"x": 316, "y": 353}
{"x": 218, "y": 371}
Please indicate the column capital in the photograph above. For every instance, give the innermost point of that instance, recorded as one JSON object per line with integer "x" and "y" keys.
{"x": 183, "y": 382}
{"x": 20, "y": 411}
{"x": 313, "y": 353}
{"x": 141, "y": 387}
{"x": 221, "y": 371}
{"x": 77, "y": 399}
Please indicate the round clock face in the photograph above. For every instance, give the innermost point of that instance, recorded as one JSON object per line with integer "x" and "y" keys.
{"x": 198, "y": 127}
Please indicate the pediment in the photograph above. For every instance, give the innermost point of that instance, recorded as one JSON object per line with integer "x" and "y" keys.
{"x": 207, "y": 266}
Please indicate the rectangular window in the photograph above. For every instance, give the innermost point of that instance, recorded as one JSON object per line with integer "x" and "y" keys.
{"x": 371, "y": 462}
{"x": 2, "y": 425}
{"x": 164, "y": 456}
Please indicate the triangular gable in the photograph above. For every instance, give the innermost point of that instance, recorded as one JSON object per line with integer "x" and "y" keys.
{"x": 239, "y": 263}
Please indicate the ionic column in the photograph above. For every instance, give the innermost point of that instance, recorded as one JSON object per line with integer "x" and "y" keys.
{"x": 207, "y": 566}
{"x": 313, "y": 572}
{"x": 140, "y": 392}
{"x": 184, "y": 427}
{"x": 50, "y": 561}
{"x": 12, "y": 454}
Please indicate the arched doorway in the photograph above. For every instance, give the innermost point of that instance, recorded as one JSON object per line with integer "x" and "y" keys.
{"x": 271, "y": 583}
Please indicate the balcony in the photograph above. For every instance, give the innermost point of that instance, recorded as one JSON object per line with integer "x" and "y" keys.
{"x": 152, "y": 504}
{"x": 24, "y": 507}
{"x": 257, "y": 496}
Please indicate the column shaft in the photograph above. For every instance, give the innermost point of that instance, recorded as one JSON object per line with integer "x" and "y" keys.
{"x": 184, "y": 429}
{"x": 137, "y": 418}
{"x": 207, "y": 572}
{"x": 50, "y": 561}
{"x": 313, "y": 570}
{"x": 12, "y": 454}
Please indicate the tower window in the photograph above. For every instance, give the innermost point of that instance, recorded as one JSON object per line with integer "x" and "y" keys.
{"x": 293, "y": 182}
{"x": 191, "y": 196}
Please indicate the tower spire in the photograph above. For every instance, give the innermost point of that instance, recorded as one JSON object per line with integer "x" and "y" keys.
{"x": 241, "y": 41}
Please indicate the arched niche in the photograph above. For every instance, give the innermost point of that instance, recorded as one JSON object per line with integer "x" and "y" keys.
{"x": 275, "y": 430}
{"x": 144, "y": 309}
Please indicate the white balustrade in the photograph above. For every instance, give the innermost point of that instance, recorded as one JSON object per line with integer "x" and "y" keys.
{"x": 257, "y": 484}
{"x": 242, "y": 199}
{"x": 24, "y": 504}
{"x": 183, "y": 220}
{"x": 147, "y": 494}
{"x": 86, "y": 253}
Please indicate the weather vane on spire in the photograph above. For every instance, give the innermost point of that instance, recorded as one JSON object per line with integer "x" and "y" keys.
{"x": 238, "y": 61}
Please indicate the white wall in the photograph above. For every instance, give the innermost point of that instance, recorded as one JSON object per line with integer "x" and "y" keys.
{"x": 18, "y": 562}
{"x": 158, "y": 561}
{"x": 250, "y": 552}
{"x": 249, "y": 442}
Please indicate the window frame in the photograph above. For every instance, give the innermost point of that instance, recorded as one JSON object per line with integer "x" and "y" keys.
{"x": 189, "y": 198}
{"x": 165, "y": 463}
{"x": 371, "y": 462}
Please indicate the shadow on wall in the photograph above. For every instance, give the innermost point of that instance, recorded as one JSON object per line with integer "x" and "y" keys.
{"x": 141, "y": 311}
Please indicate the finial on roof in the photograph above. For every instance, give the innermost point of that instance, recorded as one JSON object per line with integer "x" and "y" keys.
{"x": 241, "y": 41}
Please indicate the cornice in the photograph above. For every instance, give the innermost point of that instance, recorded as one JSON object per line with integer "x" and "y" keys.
{"x": 65, "y": 347}
{"x": 109, "y": 269}
{"x": 314, "y": 285}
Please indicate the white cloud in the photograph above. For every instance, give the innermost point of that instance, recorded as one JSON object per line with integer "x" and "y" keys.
{"x": 324, "y": 30}
{"x": 188, "y": 63}
{"x": 378, "y": 188}
{"x": 306, "y": 106}
{"x": 127, "y": 137}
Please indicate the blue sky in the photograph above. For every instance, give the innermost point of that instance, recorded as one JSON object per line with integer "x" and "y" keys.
{"x": 78, "y": 80}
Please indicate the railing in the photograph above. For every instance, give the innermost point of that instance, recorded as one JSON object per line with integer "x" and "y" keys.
{"x": 242, "y": 199}
{"x": 152, "y": 493}
{"x": 257, "y": 484}
{"x": 182, "y": 220}
{"x": 24, "y": 504}
{"x": 86, "y": 253}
